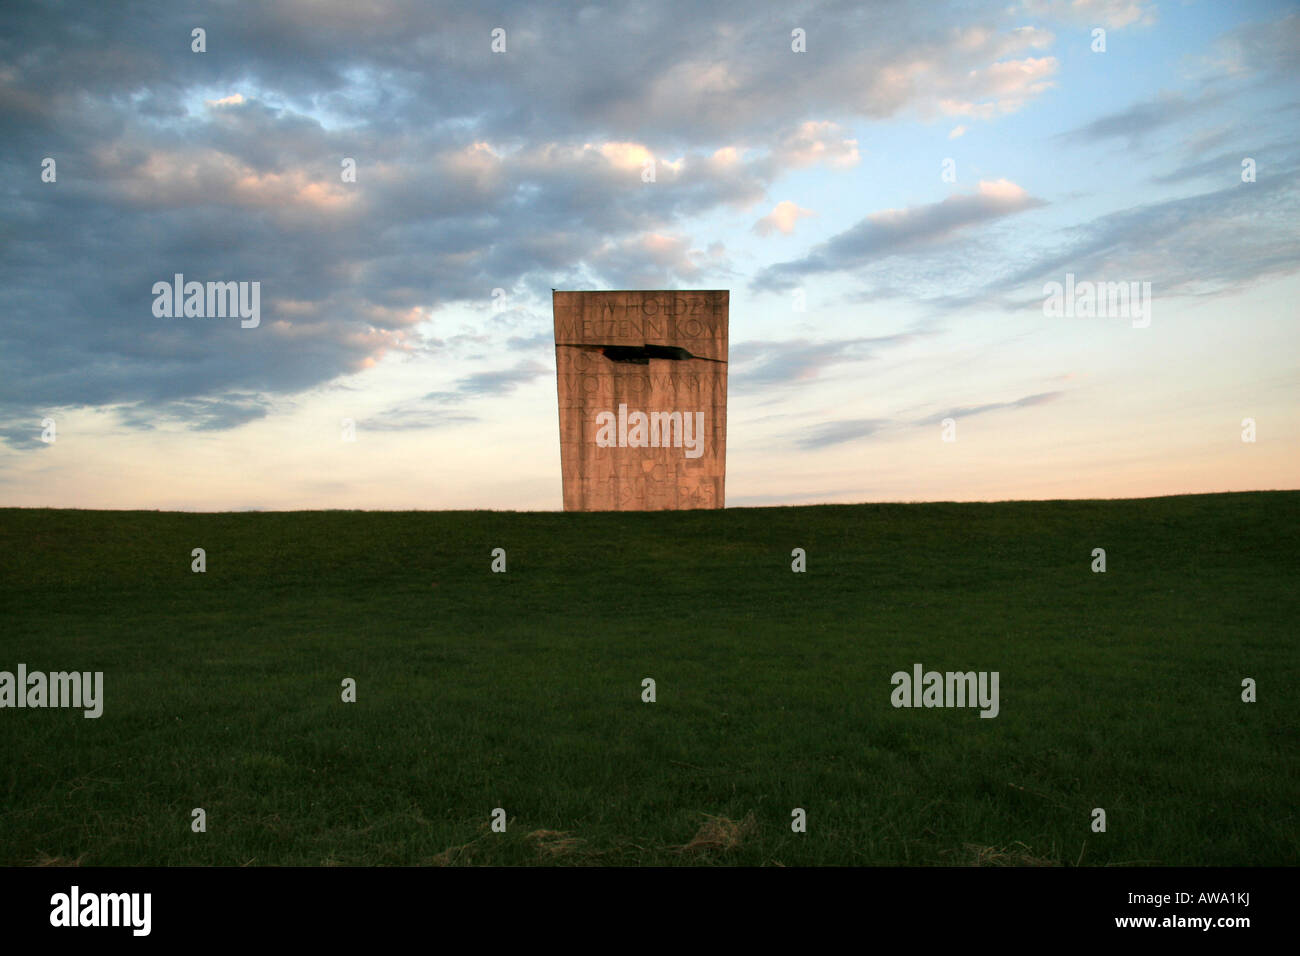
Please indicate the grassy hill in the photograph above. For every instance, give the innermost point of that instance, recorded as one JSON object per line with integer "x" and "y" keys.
{"x": 522, "y": 690}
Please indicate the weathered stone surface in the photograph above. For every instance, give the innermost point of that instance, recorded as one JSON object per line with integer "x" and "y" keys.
{"x": 657, "y": 354}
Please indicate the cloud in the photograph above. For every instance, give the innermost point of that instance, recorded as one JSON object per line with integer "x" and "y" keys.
{"x": 897, "y": 231}
{"x": 431, "y": 411}
{"x": 836, "y": 433}
{"x": 196, "y": 414}
{"x": 1004, "y": 87}
{"x": 845, "y": 430}
{"x": 782, "y": 219}
{"x": 227, "y": 165}
{"x": 23, "y": 434}
{"x": 501, "y": 381}
{"x": 1142, "y": 119}
{"x": 763, "y": 363}
{"x": 1208, "y": 243}
{"x": 655, "y": 261}
{"x": 966, "y": 411}
{"x": 1226, "y": 166}
{"x": 414, "y": 416}
{"x": 817, "y": 142}
{"x": 1267, "y": 48}
{"x": 1113, "y": 14}
{"x": 474, "y": 171}
{"x": 529, "y": 343}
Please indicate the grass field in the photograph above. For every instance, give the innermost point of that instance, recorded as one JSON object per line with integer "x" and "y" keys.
{"x": 522, "y": 690}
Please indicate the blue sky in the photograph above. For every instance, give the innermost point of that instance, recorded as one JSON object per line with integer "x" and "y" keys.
{"x": 813, "y": 178}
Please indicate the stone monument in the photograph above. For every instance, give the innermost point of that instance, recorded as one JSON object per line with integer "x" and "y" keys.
{"x": 642, "y": 379}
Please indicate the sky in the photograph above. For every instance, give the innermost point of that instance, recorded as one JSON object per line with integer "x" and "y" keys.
{"x": 889, "y": 191}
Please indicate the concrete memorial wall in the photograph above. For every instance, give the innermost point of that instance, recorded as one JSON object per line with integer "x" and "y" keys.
{"x": 642, "y": 379}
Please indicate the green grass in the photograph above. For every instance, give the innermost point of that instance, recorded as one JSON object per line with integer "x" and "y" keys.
{"x": 523, "y": 690}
